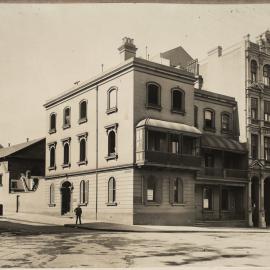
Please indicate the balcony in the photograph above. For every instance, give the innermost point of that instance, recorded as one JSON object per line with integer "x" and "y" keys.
{"x": 223, "y": 173}
{"x": 170, "y": 159}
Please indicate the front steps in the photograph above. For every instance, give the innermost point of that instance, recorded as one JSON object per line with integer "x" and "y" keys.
{"x": 222, "y": 223}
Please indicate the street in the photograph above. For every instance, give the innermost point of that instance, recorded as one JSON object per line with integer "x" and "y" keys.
{"x": 57, "y": 246}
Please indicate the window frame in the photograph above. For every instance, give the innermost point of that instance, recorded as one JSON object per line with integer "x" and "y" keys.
{"x": 151, "y": 105}
{"x": 52, "y": 130}
{"x": 109, "y": 129}
{"x": 213, "y": 120}
{"x": 111, "y": 192}
{"x": 50, "y": 146}
{"x": 115, "y": 108}
{"x": 210, "y": 199}
{"x": 266, "y": 112}
{"x": 254, "y": 75}
{"x": 227, "y": 208}
{"x": 266, "y": 75}
{"x": 52, "y": 195}
{"x": 179, "y": 190}
{"x": 84, "y": 193}
{"x": 83, "y": 119}
{"x": 229, "y": 129}
{"x": 82, "y": 136}
{"x": 66, "y": 141}
{"x": 66, "y": 125}
{"x": 180, "y": 110}
{"x": 255, "y": 109}
{"x": 266, "y": 149}
{"x": 157, "y": 200}
{"x": 254, "y": 145}
{"x": 196, "y": 110}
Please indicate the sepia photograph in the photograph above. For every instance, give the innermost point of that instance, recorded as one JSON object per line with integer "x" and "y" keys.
{"x": 134, "y": 135}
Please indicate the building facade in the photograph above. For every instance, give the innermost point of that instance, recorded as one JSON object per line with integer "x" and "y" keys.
{"x": 244, "y": 70}
{"x": 123, "y": 145}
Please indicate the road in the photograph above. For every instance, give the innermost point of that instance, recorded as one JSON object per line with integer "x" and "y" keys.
{"x": 58, "y": 246}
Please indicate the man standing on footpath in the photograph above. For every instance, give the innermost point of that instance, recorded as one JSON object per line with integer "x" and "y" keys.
{"x": 78, "y": 213}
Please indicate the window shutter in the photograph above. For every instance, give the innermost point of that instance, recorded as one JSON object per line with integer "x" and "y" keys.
{"x": 144, "y": 180}
{"x": 159, "y": 191}
{"x": 87, "y": 191}
{"x": 171, "y": 191}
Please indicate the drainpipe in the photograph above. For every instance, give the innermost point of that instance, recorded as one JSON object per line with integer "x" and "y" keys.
{"x": 96, "y": 152}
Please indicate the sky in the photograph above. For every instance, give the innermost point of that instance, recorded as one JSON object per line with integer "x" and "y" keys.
{"x": 45, "y": 48}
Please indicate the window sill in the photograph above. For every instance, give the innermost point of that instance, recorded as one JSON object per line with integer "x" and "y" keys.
{"x": 66, "y": 126}
{"x": 152, "y": 204}
{"x": 153, "y": 107}
{"x": 111, "y": 204}
{"x": 111, "y": 110}
{"x": 178, "y": 111}
{"x": 83, "y": 204}
{"x": 208, "y": 210}
{"x": 178, "y": 204}
{"x": 209, "y": 129}
{"x": 113, "y": 156}
{"x": 82, "y": 162}
{"x": 66, "y": 165}
{"x": 52, "y": 168}
{"x": 82, "y": 120}
{"x": 51, "y": 204}
{"x": 51, "y": 131}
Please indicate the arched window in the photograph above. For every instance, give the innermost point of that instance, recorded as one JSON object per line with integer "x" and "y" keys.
{"x": 266, "y": 75}
{"x": 111, "y": 190}
{"x": 111, "y": 143}
{"x": 152, "y": 190}
{"x": 52, "y": 157}
{"x": 153, "y": 95}
{"x": 52, "y": 123}
{"x": 66, "y": 123}
{"x": 52, "y": 195}
{"x": 82, "y": 192}
{"x": 83, "y": 111}
{"x": 66, "y": 153}
{"x": 225, "y": 121}
{"x": 178, "y": 100}
{"x": 82, "y": 150}
{"x": 253, "y": 68}
{"x": 209, "y": 119}
{"x": 176, "y": 190}
{"x": 112, "y": 100}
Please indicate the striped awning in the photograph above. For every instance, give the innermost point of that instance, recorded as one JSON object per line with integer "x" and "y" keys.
{"x": 221, "y": 143}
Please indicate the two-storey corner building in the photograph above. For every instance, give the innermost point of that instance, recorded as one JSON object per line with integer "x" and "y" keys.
{"x": 222, "y": 183}
{"x": 244, "y": 70}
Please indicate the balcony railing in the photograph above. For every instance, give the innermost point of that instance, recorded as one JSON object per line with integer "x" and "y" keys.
{"x": 172, "y": 159}
{"x": 223, "y": 173}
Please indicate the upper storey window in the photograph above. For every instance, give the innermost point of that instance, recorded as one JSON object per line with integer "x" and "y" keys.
{"x": 52, "y": 123}
{"x": 112, "y": 100}
{"x": 83, "y": 111}
{"x": 254, "y": 110}
{"x": 266, "y": 75}
{"x": 66, "y": 122}
{"x": 178, "y": 100}
{"x": 195, "y": 116}
{"x": 209, "y": 119}
{"x": 267, "y": 111}
{"x": 253, "y": 68}
{"x": 153, "y": 96}
{"x": 225, "y": 122}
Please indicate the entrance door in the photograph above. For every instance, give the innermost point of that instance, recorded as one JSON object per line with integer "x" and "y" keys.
{"x": 255, "y": 201}
{"x": 267, "y": 201}
{"x": 66, "y": 197}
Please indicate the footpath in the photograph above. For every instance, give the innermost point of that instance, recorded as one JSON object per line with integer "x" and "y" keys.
{"x": 68, "y": 221}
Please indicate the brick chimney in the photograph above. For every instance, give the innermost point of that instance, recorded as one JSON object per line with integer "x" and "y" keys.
{"x": 127, "y": 49}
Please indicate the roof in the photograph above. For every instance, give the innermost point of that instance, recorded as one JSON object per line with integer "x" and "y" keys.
{"x": 7, "y": 151}
{"x": 222, "y": 143}
{"x": 168, "y": 125}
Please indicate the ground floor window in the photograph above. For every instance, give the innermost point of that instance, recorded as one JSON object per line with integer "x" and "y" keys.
{"x": 225, "y": 199}
{"x": 84, "y": 192}
{"x": 52, "y": 195}
{"x": 176, "y": 191}
{"x": 111, "y": 190}
{"x": 207, "y": 198}
{"x": 151, "y": 190}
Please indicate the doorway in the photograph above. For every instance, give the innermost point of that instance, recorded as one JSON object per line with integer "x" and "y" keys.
{"x": 267, "y": 201}
{"x": 66, "y": 197}
{"x": 255, "y": 201}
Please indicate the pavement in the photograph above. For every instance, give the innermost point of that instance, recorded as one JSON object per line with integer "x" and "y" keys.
{"x": 88, "y": 224}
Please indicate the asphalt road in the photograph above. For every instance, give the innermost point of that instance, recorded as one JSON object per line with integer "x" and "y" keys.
{"x": 58, "y": 246}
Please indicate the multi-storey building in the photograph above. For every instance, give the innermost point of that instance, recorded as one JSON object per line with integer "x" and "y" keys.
{"x": 243, "y": 70}
{"x": 123, "y": 145}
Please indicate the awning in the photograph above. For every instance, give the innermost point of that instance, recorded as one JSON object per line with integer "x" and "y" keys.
{"x": 168, "y": 125}
{"x": 221, "y": 143}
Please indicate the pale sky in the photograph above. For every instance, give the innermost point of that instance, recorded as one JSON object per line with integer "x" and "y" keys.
{"x": 45, "y": 48}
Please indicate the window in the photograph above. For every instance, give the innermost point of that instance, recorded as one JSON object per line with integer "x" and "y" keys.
{"x": 151, "y": 190}
{"x": 153, "y": 95}
{"x": 190, "y": 146}
{"x": 207, "y": 198}
{"x": 176, "y": 190}
{"x": 254, "y": 68}
{"x": 267, "y": 111}
{"x": 83, "y": 111}
{"x": 209, "y": 119}
{"x": 254, "y": 146}
{"x": 112, "y": 141}
{"x": 174, "y": 144}
{"x": 225, "y": 199}
{"x": 195, "y": 116}
{"x": 178, "y": 100}
{"x": 52, "y": 157}
{"x": 52, "y": 195}
{"x": 1, "y": 180}
{"x": 266, "y": 75}
{"x": 267, "y": 149}
{"x": 111, "y": 191}
{"x": 157, "y": 141}
{"x": 82, "y": 150}
{"x": 66, "y": 157}
{"x": 254, "y": 109}
{"x": 225, "y": 122}
{"x": 84, "y": 191}
{"x": 112, "y": 100}
{"x": 209, "y": 160}
{"x": 66, "y": 123}
{"x": 52, "y": 123}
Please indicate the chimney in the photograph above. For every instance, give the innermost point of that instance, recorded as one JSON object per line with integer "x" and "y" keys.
{"x": 127, "y": 49}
